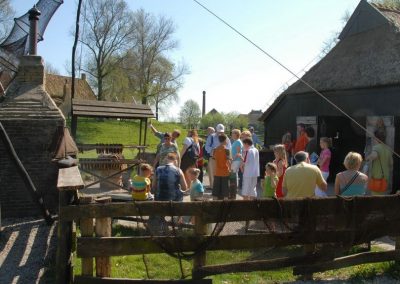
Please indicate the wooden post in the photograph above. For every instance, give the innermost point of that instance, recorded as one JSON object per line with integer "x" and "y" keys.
{"x": 200, "y": 229}
{"x": 69, "y": 181}
{"x": 103, "y": 229}
{"x": 87, "y": 230}
{"x": 397, "y": 247}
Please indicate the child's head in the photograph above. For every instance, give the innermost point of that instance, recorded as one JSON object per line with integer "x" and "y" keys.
{"x": 280, "y": 151}
{"x": 325, "y": 142}
{"x": 247, "y": 143}
{"x": 146, "y": 170}
{"x": 270, "y": 168}
{"x": 222, "y": 139}
{"x": 193, "y": 173}
{"x": 245, "y": 134}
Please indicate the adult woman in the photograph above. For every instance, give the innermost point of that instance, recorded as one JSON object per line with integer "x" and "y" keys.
{"x": 190, "y": 152}
{"x": 237, "y": 148}
{"x": 166, "y": 148}
{"x": 381, "y": 161}
{"x": 351, "y": 181}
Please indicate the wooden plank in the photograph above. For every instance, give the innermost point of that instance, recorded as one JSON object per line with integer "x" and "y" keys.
{"x": 87, "y": 230}
{"x": 346, "y": 261}
{"x": 94, "y": 280}
{"x": 109, "y": 104}
{"x": 119, "y": 246}
{"x": 69, "y": 179}
{"x": 111, "y": 109}
{"x": 250, "y": 266}
{"x": 103, "y": 229}
{"x": 242, "y": 210}
{"x": 112, "y": 115}
{"x": 106, "y": 161}
{"x": 200, "y": 229}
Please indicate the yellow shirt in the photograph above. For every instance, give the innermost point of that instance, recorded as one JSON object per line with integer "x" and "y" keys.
{"x": 139, "y": 187}
{"x": 300, "y": 180}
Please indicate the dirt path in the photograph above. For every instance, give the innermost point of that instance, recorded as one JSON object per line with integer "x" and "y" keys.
{"x": 27, "y": 250}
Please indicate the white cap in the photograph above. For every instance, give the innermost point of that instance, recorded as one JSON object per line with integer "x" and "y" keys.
{"x": 220, "y": 128}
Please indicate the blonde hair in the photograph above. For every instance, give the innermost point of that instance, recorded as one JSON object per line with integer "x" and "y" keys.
{"x": 353, "y": 161}
{"x": 194, "y": 171}
{"x": 326, "y": 140}
{"x": 193, "y": 134}
{"x": 271, "y": 167}
{"x": 236, "y": 132}
{"x": 281, "y": 151}
{"x": 245, "y": 134}
{"x": 145, "y": 167}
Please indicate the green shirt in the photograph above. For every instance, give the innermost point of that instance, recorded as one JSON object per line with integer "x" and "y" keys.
{"x": 385, "y": 159}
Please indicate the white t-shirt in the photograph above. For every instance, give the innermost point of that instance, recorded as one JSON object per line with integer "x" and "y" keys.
{"x": 251, "y": 166}
{"x": 189, "y": 141}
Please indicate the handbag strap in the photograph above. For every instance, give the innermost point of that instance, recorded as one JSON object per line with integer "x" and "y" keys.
{"x": 380, "y": 164}
{"x": 350, "y": 182}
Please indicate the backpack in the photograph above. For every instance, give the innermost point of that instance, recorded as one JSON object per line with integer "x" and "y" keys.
{"x": 193, "y": 152}
{"x": 206, "y": 155}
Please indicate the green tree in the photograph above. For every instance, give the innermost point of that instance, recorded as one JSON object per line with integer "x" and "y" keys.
{"x": 190, "y": 114}
{"x": 108, "y": 32}
{"x": 211, "y": 120}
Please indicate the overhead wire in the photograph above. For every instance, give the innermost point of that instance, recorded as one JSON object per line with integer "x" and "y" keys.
{"x": 295, "y": 75}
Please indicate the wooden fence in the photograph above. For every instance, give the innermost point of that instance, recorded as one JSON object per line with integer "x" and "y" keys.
{"x": 340, "y": 221}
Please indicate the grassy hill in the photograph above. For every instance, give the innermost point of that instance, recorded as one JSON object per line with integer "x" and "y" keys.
{"x": 126, "y": 132}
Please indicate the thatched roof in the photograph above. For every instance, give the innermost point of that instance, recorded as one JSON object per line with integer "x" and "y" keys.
{"x": 367, "y": 55}
{"x": 54, "y": 85}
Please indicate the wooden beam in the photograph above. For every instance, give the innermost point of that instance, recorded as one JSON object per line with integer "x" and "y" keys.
{"x": 94, "y": 280}
{"x": 70, "y": 179}
{"x": 242, "y": 210}
{"x": 346, "y": 261}
{"x": 250, "y": 266}
{"x": 118, "y": 246}
{"x": 111, "y": 114}
{"x": 77, "y": 102}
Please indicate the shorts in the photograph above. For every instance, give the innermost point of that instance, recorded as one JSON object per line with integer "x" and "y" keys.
{"x": 249, "y": 187}
{"x": 221, "y": 187}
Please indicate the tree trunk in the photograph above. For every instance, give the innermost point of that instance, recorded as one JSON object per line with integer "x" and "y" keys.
{"x": 157, "y": 110}
{"x": 100, "y": 88}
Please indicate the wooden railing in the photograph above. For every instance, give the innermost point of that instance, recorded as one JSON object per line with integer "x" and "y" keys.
{"x": 345, "y": 222}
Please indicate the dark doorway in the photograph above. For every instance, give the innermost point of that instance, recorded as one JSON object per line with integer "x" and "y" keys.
{"x": 346, "y": 136}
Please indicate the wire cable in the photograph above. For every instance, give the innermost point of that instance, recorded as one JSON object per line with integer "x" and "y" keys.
{"x": 295, "y": 75}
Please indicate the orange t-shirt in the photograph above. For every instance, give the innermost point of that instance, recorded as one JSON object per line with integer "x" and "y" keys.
{"x": 221, "y": 156}
{"x": 300, "y": 143}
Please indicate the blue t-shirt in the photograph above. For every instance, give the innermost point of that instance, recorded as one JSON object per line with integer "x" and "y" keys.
{"x": 196, "y": 190}
{"x": 237, "y": 143}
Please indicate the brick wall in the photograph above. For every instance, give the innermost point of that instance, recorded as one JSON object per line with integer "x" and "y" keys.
{"x": 33, "y": 146}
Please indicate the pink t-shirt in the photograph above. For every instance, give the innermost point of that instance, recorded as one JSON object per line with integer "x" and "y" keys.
{"x": 326, "y": 153}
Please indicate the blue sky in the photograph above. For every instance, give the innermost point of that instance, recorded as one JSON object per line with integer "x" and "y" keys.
{"x": 235, "y": 75}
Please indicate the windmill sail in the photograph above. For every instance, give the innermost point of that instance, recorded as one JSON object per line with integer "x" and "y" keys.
{"x": 16, "y": 43}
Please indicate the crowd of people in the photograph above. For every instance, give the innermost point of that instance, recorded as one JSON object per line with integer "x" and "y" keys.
{"x": 300, "y": 168}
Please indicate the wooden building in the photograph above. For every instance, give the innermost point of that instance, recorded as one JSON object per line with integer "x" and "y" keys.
{"x": 361, "y": 76}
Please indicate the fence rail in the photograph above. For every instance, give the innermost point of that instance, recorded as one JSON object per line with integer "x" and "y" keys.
{"x": 339, "y": 221}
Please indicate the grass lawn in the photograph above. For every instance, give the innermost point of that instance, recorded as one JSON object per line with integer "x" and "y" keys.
{"x": 162, "y": 266}
{"x": 126, "y": 132}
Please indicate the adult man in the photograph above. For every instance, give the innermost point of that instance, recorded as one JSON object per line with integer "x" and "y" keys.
{"x": 301, "y": 142}
{"x": 301, "y": 179}
{"x": 169, "y": 181}
{"x": 161, "y": 135}
{"x": 212, "y": 143}
{"x": 254, "y": 137}
{"x": 311, "y": 147}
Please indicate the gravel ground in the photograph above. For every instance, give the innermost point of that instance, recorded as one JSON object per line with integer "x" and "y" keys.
{"x": 27, "y": 250}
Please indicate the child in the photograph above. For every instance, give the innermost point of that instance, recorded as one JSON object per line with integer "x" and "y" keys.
{"x": 270, "y": 181}
{"x": 324, "y": 161}
{"x": 141, "y": 184}
{"x": 196, "y": 188}
{"x": 251, "y": 170}
{"x": 223, "y": 159}
{"x": 281, "y": 165}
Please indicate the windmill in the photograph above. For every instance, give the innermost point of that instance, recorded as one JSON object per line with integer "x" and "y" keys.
{"x": 17, "y": 42}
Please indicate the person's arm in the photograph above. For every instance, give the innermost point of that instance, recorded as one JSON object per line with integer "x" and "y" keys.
{"x": 154, "y": 184}
{"x": 274, "y": 181}
{"x": 156, "y": 160}
{"x": 373, "y": 156}
{"x": 321, "y": 182}
{"x": 184, "y": 148}
{"x": 182, "y": 181}
{"x": 337, "y": 185}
